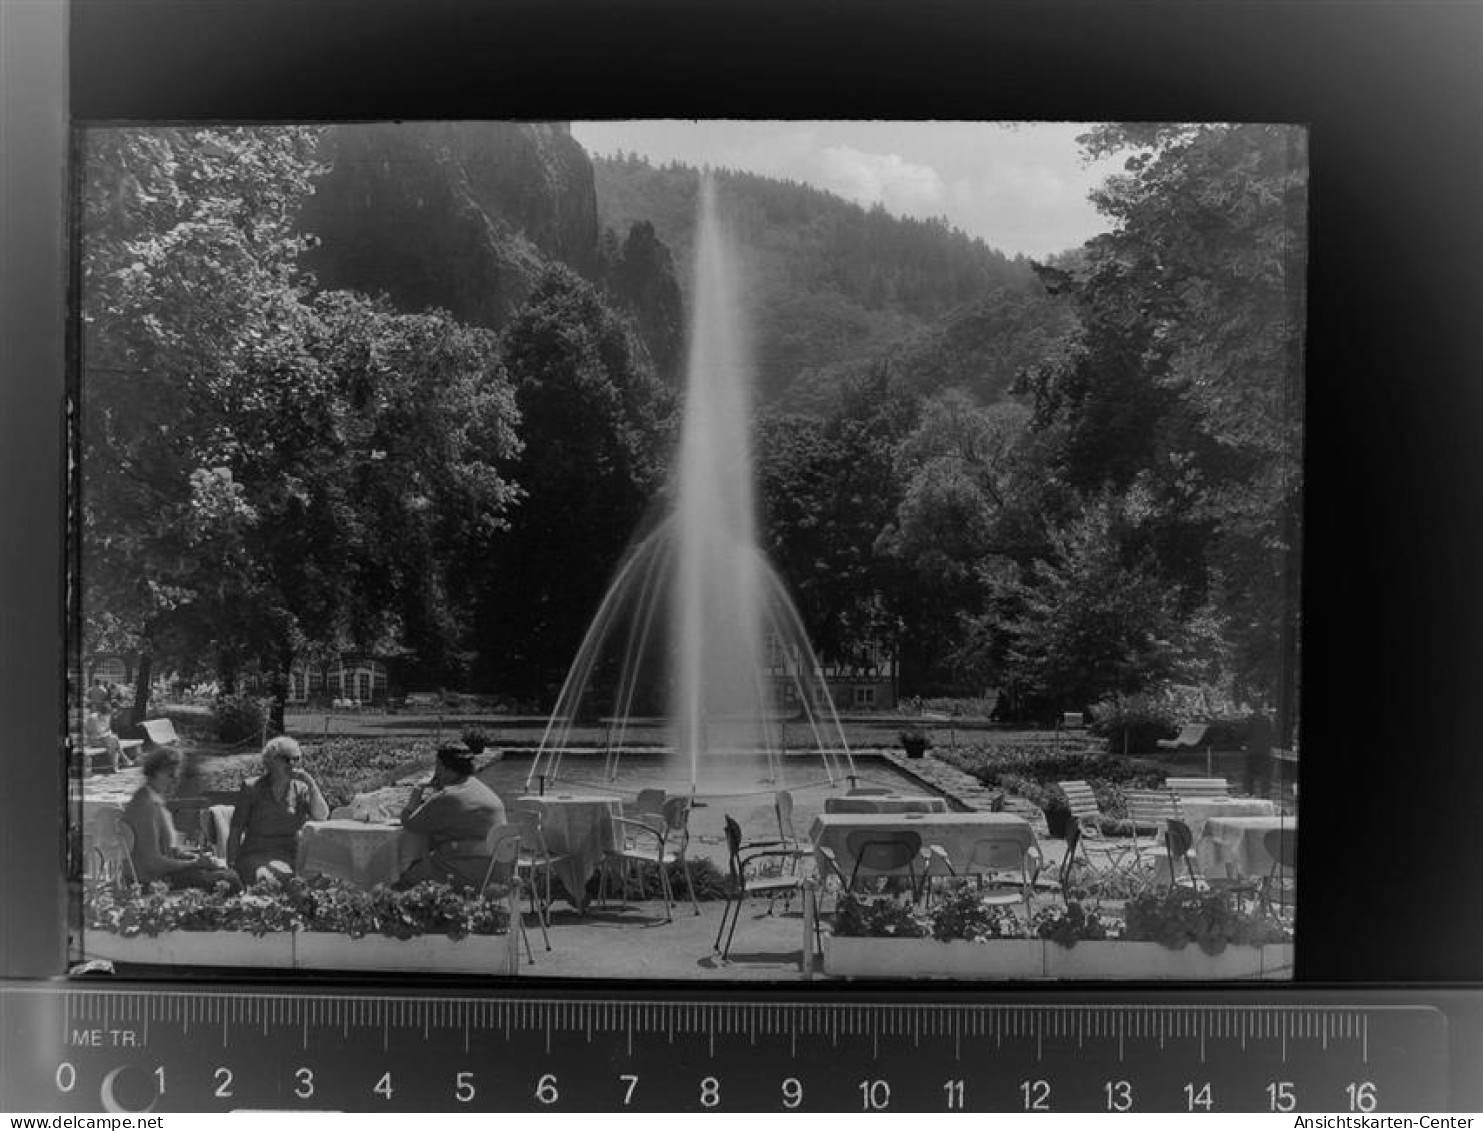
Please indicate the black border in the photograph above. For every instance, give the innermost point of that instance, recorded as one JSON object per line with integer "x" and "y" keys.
{"x": 1393, "y": 779}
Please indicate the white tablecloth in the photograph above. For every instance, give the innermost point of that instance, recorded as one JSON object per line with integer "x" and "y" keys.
{"x": 579, "y": 827}
{"x": 1233, "y": 846}
{"x": 361, "y": 852}
{"x": 955, "y": 833}
{"x": 1195, "y": 811}
{"x": 886, "y": 803}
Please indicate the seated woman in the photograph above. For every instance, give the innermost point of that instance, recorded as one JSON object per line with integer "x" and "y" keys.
{"x": 263, "y": 839}
{"x": 156, "y": 858}
{"x": 97, "y": 729}
{"x": 454, "y": 811}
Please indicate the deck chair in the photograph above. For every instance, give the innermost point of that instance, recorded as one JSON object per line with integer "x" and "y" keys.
{"x": 1007, "y": 869}
{"x": 884, "y": 853}
{"x": 1090, "y": 841}
{"x": 746, "y": 884}
{"x": 503, "y": 845}
{"x": 113, "y": 848}
{"x": 1150, "y": 808}
{"x": 160, "y": 732}
{"x": 1198, "y": 787}
{"x": 1192, "y": 737}
{"x": 535, "y": 860}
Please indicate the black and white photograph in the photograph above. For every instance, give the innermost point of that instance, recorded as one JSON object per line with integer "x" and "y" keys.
{"x": 693, "y": 550}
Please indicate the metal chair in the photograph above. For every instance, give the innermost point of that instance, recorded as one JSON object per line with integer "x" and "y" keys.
{"x": 113, "y": 848}
{"x": 1278, "y": 889}
{"x": 1007, "y": 868}
{"x": 798, "y": 846}
{"x": 534, "y": 859}
{"x": 661, "y": 843}
{"x": 503, "y": 846}
{"x": 884, "y": 854}
{"x": 743, "y": 885}
{"x": 1179, "y": 844}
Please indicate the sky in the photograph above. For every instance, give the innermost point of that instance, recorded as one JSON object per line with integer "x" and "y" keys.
{"x": 1020, "y": 187}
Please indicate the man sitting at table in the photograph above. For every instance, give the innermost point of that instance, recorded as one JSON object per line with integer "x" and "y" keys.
{"x": 155, "y": 855}
{"x": 455, "y": 812}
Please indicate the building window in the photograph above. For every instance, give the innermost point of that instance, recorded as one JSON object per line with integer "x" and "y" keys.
{"x": 864, "y": 696}
{"x": 110, "y": 670}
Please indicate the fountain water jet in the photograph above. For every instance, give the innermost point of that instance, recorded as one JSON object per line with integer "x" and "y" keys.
{"x": 696, "y": 623}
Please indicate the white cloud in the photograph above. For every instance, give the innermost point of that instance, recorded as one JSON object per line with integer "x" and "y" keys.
{"x": 1020, "y": 187}
{"x": 881, "y": 178}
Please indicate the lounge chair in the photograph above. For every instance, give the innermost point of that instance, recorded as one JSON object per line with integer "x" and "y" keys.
{"x": 1192, "y": 737}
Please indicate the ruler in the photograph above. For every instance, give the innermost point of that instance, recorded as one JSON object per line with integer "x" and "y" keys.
{"x": 162, "y": 1048}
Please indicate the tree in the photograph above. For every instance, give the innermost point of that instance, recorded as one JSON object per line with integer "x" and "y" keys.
{"x": 599, "y": 424}
{"x": 1182, "y": 385}
{"x": 264, "y": 468}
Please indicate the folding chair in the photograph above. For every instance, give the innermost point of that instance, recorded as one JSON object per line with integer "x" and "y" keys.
{"x": 503, "y": 846}
{"x": 1198, "y": 787}
{"x": 1089, "y": 839}
{"x": 740, "y": 857}
{"x": 1150, "y": 808}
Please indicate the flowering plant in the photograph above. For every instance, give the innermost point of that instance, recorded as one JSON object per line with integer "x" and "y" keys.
{"x": 963, "y": 915}
{"x": 1066, "y": 925}
{"x": 876, "y": 918}
{"x": 319, "y": 904}
{"x": 1210, "y": 920}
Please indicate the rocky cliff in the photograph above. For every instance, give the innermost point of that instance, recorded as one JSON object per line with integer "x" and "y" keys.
{"x": 466, "y": 215}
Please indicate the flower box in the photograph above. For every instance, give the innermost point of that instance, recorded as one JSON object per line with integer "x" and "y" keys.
{"x": 438, "y": 954}
{"x": 309, "y": 950}
{"x": 1020, "y": 959}
{"x": 1001, "y": 959}
{"x": 1150, "y": 961}
{"x": 194, "y": 948}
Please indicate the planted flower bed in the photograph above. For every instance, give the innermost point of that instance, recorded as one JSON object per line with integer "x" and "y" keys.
{"x": 1180, "y": 934}
{"x": 306, "y": 924}
{"x": 343, "y": 767}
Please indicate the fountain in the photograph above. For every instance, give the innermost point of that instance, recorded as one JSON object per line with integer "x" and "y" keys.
{"x": 697, "y": 635}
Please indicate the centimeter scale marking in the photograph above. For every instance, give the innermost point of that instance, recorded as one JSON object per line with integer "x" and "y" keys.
{"x": 77, "y": 1047}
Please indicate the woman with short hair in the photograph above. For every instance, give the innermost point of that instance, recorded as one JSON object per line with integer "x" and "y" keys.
{"x": 156, "y": 855}
{"x": 263, "y": 839}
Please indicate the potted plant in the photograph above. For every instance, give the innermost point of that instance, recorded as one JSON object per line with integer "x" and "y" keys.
{"x": 914, "y": 741}
{"x": 1047, "y": 796}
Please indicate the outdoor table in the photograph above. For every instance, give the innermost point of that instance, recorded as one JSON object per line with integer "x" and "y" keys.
{"x": 1195, "y": 811}
{"x": 955, "y": 833}
{"x": 365, "y": 853}
{"x": 886, "y": 803}
{"x": 1233, "y": 846}
{"x": 578, "y": 827}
